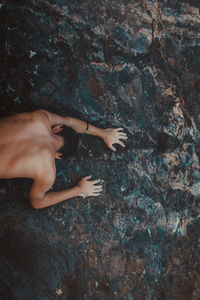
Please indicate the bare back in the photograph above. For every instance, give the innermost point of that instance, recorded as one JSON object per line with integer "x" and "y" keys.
{"x": 26, "y": 146}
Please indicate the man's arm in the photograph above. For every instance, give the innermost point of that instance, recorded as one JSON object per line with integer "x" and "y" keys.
{"x": 78, "y": 125}
{"x": 39, "y": 198}
{"x": 110, "y": 135}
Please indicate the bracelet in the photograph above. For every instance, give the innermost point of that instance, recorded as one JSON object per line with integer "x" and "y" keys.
{"x": 87, "y": 128}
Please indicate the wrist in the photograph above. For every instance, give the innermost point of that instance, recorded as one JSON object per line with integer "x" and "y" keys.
{"x": 77, "y": 191}
{"x": 87, "y": 128}
{"x": 101, "y": 133}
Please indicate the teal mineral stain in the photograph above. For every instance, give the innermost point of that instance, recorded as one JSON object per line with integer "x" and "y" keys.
{"x": 61, "y": 3}
{"x": 141, "y": 44}
{"x": 138, "y": 290}
{"x": 18, "y": 99}
{"x": 130, "y": 297}
{"x": 122, "y": 35}
{"x": 196, "y": 176}
{"x": 136, "y": 219}
{"x": 187, "y": 162}
{"x": 125, "y": 77}
{"x": 133, "y": 156}
{"x": 141, "y": 237}
{"x": 91, "y": 228}
{"x": 153, "y": 259}
{"x": 181, "y": 231}
{"x": 101, "y": 56}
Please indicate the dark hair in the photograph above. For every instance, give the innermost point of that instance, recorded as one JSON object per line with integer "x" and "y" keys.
{"x": 71, "y": 141}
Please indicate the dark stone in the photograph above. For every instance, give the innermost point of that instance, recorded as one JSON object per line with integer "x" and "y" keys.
{"x": 131, "y": 64}
{"x": 167, "y": 142}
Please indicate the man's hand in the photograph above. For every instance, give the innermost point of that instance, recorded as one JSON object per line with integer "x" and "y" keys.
{"x": 114, "y": 136}
{"x": 89, "y": 188}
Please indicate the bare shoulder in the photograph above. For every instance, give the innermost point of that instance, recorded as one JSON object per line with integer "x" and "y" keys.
{"x": 54, "y": 119}
{"x": 41, "y": 113}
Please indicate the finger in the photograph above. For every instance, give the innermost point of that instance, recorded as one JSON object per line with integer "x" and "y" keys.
{"x": 121, "y": 143}
{"x": 119, "y": 129}
{"x": 96, "y": 181}
{"x": 112, "y": 148}
{"x": 94, "y": 187}
{"x": 122, "y": 134}
{"x": 123, "y": 137}
{"x": 95, "y": 194}
{"x": 97, "y": 187}
{"x": 87, "y": 177}
{"x": 97, "y": 190}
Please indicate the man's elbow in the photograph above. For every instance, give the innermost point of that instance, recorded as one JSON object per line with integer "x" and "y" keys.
{"x": 37, "y": 204}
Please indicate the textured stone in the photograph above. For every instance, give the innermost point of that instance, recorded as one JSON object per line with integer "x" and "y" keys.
{"x": 131, "y": 64}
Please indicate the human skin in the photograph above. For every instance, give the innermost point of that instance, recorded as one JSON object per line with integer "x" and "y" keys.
{"x": 29, "y": 145}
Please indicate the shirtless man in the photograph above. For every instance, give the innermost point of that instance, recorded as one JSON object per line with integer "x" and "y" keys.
{"x": 28, "y": 148}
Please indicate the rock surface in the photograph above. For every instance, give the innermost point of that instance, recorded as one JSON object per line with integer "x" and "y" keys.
{"x": 131, "y": 64}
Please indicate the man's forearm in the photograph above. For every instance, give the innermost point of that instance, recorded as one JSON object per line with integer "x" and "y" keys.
{"x": 81, "y": 126}
{"x": 52, "y": 198}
